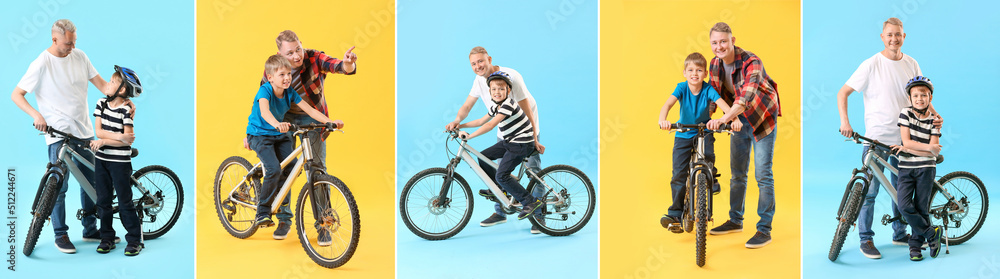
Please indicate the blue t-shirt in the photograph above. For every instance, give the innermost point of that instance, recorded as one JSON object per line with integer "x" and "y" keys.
{"x": 694, "y": 108}
{"x": 257, "y": 126}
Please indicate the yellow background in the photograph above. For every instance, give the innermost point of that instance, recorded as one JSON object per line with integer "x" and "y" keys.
{"x": 234, "y": 38}
{"x": 645, "y": 42}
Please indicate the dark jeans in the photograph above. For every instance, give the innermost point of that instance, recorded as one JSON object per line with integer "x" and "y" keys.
{"x": 111, "y": 178}
{"x": 271, "y": 150}
{"x": 914, "y": 197}
{"x": 59, "y": 210}
{"x": 534, "y": 162}
{"x": 683, "y": 148}
{"x": 510, "y": 155}
{"x": 319, "y": 152}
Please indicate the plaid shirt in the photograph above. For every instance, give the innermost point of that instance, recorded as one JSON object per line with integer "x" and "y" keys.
{"x": 309, "y": 82}
{"x": 754, "y": 90}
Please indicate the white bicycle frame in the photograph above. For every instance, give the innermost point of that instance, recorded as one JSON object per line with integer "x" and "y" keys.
{"x": 466, "y": 152}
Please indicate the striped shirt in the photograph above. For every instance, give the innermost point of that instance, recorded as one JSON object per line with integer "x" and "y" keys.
{"x": 921, "y": 130}
{"x": 114, "y": 120}
{"x": 515, "y": 127}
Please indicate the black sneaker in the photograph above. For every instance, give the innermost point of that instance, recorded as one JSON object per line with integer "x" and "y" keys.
{"x": 64, "y": 245}
{"x": 96, "y": 237}
{"x": 264, "y": 221}
{"x": 934, "y": 244}
{"x": 105, "y": 247}
{"x": 534, "y": 229}
{"x": 133, "y": 249}
{"x": 868, "y": 249}
{"x": 904, "y": 241}
{"x": 282, "y": 231}
{"x": 759, "y": 240}
{"x": 915, "y": 254}
{"x": 323, "y": 238}
{"x": 727, "y": 227}
{"x": 671, "y": 223}
{"x": 529, "y": 208}
{"x": 494, "y": 219}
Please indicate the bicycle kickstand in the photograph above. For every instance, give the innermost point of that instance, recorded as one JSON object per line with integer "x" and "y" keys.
{"x": 947, "y": 249}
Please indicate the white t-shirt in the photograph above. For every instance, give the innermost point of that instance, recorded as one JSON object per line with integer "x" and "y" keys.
{"x": 60, "y": 87}
{"x": 883, "y": 83}
{"x": 481, "y": 90}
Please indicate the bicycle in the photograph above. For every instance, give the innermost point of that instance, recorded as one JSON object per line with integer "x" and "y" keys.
{"x": 334, "y": 214}
{"x": 698, "y": 201}
{"x": 445, "y": 210}
{"x": 955, "y": 197}
{"x": 159, "y": 188}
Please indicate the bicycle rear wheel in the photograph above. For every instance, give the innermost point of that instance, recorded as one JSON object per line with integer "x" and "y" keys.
{"x": 967, "y": 190}
{"x": 236, "y": 218}
{"x": 163, "y": 185}
{"x": 572, "y": 214}
{"x": 46, "y": 202}
{"x": 329, "y": 209}
{"x": 846, "y": 219}
{"x": 701, "y": 212}
{"x": 422, "y": 212}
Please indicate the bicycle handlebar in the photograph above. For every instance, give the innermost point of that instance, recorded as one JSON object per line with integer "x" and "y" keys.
{"x": 56, "y": 133}
{"x": 858, "y": 138}
{"x": 722, "y": 128}
{"x": 329, "y": 126}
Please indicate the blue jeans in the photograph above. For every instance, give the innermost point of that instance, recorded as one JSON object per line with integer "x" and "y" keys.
{"x": 534, "y": 162}
{"x": 740, "y": 144}
{"x": 915, "y": 187}
{"x": 271, "y": 150}
{"x": 867, "y": 213}
{"x": 683, "y": 148}
{"x": 319, "y": 151}
{"x": 59, "y": 210}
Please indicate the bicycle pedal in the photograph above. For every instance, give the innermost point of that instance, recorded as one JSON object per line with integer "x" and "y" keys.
{"x": 675, "y": 228}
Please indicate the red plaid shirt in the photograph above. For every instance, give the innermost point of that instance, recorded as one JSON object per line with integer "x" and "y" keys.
{"x": 754, "y": 90}
{"x": 309, "y": 82}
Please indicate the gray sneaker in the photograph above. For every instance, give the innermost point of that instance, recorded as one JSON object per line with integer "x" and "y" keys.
{"x": 727, "y": 227}
{"x": 64, "y": 245}
{"x": 759, "y": 240}
{"x": 493, "y": 220}
{"x": 323, "y": 239}
{"x": 869, "y": 250}
{"x": 534, "y": 229}
{"x": 282, "y": 231}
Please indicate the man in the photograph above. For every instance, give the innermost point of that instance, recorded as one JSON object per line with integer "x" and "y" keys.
{"x": 58, "y": 77}
{"x": 882, "y": 79}
{"x": 482, "y": 65}
{"x": 739, "y": 77}
{"x": 310, "y": 68}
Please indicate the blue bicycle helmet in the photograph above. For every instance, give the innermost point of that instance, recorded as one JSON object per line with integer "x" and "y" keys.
{"x": 917, "y": 81}
{"x": 500, "y": 75}
{"x": 130, "y": 81}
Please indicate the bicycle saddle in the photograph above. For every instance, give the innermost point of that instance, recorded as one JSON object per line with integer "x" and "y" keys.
{"x": 135, "y": 152}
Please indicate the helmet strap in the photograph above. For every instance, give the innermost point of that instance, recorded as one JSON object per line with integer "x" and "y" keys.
{"x": 920, "y": 111}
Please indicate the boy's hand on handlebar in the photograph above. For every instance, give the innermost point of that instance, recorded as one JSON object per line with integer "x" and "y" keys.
{"x": 463, "y": 135}
{"x": 338, "y": 124}
{"x": 541, "y": 148}
{"x": 736, "y": 125}
{"x": 451, "y": 126}
{"x": 664, "y": 125}
{"x": 283, "y": 127}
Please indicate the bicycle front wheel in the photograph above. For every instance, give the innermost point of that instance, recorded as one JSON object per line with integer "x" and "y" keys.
{"x": 430, "y": 215}
{"x": 334, "y": 225}
{"x": 162, "y": 208}
{"x": 968, "y": 191}
{"x": 846, "y": 219}
{"x": 569, "y": 200}
{"x": 46, "y": 202}
{"x": 236, "y": 217}
{"x": 701, "y": 212}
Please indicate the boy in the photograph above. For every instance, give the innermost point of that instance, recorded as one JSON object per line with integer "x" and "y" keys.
{"x": 266, "y": 136}
{"x": 916, "y": 171}
{"x": 113, "y": 165}
{"x": 518, "y": 141}
{"x": 695, "y": 96}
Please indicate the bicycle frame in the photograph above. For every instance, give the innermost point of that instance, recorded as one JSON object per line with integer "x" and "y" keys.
{"x": 872, "y": 161}
{"x": 65, "y": 156}
{"x": 304, "y": 149}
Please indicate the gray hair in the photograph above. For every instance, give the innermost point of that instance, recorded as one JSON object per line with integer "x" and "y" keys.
{"x": 62, "y": 26}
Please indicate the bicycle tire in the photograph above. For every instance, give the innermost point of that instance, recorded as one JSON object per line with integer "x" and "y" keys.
{"x": 332, "y": 218}
{"x": 552, "y": 176}
{"x": 962, "y": 185}
{"x": 45, "y": 204}
{"x": 702, "y": 195}
{"x": 408, "y": 204}
{"x": 172, "y": 203}
{"x": 847, "y": 218}
{"x": 241, "y": 168}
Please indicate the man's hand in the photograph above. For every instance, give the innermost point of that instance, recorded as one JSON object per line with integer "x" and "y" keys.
{"x": 132, "y": 106}
{"x": 714, "y": 124}
{"x": 664, "y": 125}
{"x": 283, "y": 127}
{"x": 126, "y": 138}
{"x": 96, "y": 144}
{"x": 539, "y": 147}
{"x": 846, "y": 130}
{"x": 451, "y": 126}
{"x": 40, "y": 124}
{"x": 736, "y": 125}
{"x": 938, "y": 121}
{"x": 350, "y": 57}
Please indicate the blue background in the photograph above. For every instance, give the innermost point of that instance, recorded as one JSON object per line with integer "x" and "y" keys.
{"x": 156, "y": 40}
{"x": 952, "y": 44}
{"x": 558, "y": 60}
